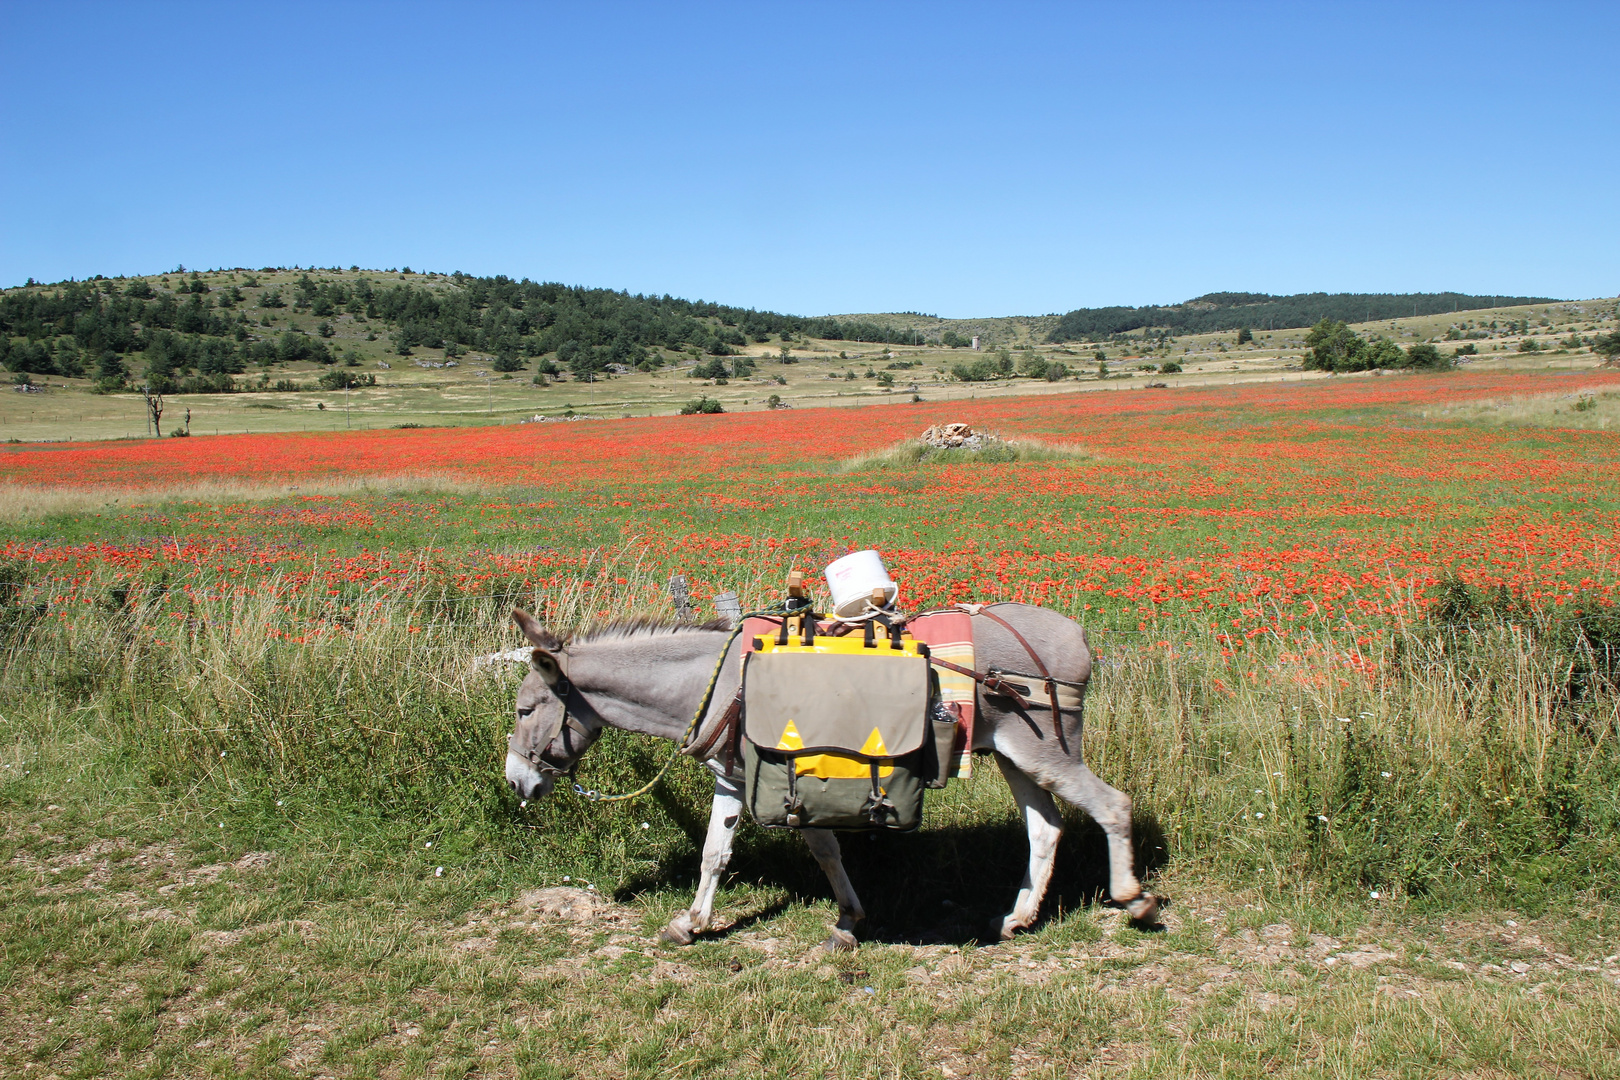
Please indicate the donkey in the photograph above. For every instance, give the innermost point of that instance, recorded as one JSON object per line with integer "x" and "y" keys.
{"x": 650, "y": 679}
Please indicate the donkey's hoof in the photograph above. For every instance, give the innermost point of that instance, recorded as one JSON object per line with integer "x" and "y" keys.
{"x": 676, "y": 934}
{"x": 1005, "y": 928}
{"x": 839, "y": 941}
{"x": 1144, "y": 909}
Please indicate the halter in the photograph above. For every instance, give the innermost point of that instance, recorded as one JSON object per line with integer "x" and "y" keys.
{"x": 551, "y": 765}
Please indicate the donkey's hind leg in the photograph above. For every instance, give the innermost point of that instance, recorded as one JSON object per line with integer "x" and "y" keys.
{"x": 1111, "y": 809}
{"x": 1045, "y": 827}
{"x": 728, "y": 803}
{"x": 824, "y": 846}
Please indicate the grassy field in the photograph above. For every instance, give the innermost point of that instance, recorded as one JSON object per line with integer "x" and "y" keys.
{"x": 420, "y": 389}
{"x": 1356, "y": 644}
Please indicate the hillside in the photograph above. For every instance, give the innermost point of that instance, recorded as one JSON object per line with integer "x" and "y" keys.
{"x": 993, "y": 332}
{"x": 312, "y": 349}
{"x": 222, "y": 323}
{"x": 1214, "y": 312}
{"x": 193, "y": 332}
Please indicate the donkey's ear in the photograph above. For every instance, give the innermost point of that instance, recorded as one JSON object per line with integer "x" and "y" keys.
{"x": 548, "y": 667}
{"x": 538, "y": 636}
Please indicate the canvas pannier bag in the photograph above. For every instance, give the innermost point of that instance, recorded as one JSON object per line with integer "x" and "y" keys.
{"x": 839, "y": 733}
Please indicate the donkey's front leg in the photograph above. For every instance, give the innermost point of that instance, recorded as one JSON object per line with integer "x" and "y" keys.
{"x": 824, "y": 846}
{"x": 728, "y": 803}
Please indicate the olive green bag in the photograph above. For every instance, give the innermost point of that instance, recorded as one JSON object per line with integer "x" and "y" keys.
{"x": 838, "y": 740}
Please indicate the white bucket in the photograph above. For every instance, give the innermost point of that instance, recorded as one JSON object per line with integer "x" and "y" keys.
{"x": 852, "y": 580}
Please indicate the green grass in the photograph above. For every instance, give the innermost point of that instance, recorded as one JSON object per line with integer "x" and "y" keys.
{"x": 146, "y": 934}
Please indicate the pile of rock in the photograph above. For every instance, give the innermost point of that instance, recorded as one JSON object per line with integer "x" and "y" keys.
{"x": 957, "y": 437}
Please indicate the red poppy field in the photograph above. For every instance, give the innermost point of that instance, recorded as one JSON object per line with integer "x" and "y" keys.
{"x": 1287, "y": 511}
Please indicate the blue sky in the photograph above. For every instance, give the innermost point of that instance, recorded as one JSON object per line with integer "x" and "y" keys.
{"x": 954, "y": 159}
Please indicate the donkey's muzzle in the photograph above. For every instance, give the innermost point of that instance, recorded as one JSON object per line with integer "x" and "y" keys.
{"x": 524, "y": 779}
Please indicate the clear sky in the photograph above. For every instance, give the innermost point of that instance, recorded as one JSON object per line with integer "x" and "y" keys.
{"x": 954, "y": 159}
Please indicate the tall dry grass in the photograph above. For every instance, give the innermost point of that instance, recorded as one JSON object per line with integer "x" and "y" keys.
{"x": 24, "y": 502}
{"x": 1465, "y": 760}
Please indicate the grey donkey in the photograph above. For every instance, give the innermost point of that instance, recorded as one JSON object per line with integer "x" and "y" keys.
{"x": 650, "y": 679}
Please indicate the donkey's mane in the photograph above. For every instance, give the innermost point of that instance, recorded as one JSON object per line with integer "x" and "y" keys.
{"x": 643, "y": 626}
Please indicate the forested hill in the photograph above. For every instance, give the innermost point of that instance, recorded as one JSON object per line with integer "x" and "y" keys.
{"x": 217, "y": 324}
{"x": 1260, "y": 311}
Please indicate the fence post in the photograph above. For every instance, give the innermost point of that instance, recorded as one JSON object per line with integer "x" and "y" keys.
{"x": 682, "y": 599}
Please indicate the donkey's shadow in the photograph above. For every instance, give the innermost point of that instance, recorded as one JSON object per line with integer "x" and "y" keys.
{"x": 933, "y": 886}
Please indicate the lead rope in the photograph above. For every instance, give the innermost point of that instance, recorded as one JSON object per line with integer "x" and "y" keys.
{"x": 593, "y": 795}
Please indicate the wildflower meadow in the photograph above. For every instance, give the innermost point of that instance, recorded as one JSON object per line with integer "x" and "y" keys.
{"x": 1355, "y": 655}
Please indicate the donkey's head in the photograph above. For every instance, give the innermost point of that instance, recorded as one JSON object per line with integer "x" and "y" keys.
{"x": 555, "y": 724}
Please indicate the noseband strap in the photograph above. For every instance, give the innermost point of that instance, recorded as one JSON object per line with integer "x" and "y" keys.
{"x": 555, "y": 765}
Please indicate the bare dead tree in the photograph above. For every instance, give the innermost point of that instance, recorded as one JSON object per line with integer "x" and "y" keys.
{"x": 154, "y": 409}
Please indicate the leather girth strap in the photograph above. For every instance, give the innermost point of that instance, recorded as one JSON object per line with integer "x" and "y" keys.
{"x": 1046, "y": 676}
{"x": 722, "y": 737}
{"x": 992, "y": 683}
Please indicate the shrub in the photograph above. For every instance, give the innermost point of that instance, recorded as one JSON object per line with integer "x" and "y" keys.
{"x": 339, "y": 379}
{"x": 1425, "y": 355}
{"x": 1170, "y": 367}
{"x": 982, "y": 369}
{"x": 702, "y": 405}
{"x": 1384, "y": 353}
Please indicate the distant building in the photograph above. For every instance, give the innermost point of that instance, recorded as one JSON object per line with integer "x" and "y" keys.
{"x": 975, "y": 342}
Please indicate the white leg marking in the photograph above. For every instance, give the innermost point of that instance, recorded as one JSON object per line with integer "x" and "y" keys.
{"x": 723, "y": 816}
{"x": 1045, "y": 829}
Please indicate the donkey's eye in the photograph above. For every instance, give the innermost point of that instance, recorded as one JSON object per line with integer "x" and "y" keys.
{"x": 525, "y": 712}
